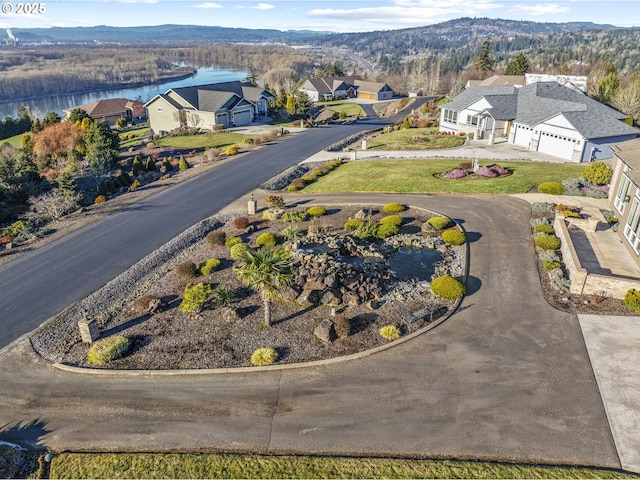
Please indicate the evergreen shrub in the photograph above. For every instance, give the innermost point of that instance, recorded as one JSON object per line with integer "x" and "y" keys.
{"x": 299, "y": 183}
{"x": 294, "y": 216}
{"x": 367, "y": 231}
{"x": 632, "y": 299}
{"x": 548, "y": 265}
{"x": 187, "y": 270}
{"x": 274, "y": 201}
{"x": 390, "y": 332}
{"x": 266, "y": 239}
{"x": 391, "y": 220}
{"x": 216, "y": 238}
{"x": 316, "y": 211}
{"x": 231, "y": 241}
{"x": 195, "y": 296}
{"x": 386, "y": 231}
{"x": 291, "y": 232}
{"x": 353, "y": 224}
{"x": 264, "y": 356}
{"x": 548, "y": 242}
{"x": 439, "y": 223}
{"x": 540, "y": 207}
{"x": 183, "y": 164}
{"x": 241, "y": 223}
{"x": 137, "y": 168}
{"x": 272, "y": 214}
{"x": 107, "y": 349}
{"x": 448, "y": 288}
{"x": 598, "y": 173}
{"x": 135, "y": 185}
{"x": 551, "y": 188}
{"x": 237, "y": 250}
{"x": 394, "y": 208}
{"x": 292, "y": 188}
{"x": 209, "y": 266}
{"x": 454, "y": 237}
{"x": 100, "y": 199}
{"x": 544, "y": 228}
{"x": 232, "y": 150}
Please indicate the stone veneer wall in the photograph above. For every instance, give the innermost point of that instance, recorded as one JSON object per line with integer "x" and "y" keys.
{"x": 583, "y": 282}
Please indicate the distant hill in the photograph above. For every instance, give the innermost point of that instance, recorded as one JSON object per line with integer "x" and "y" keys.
{"x": 155, "y": 34}
{"x": 456, "y": 42}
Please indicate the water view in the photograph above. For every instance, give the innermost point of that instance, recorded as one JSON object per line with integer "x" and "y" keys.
{"x": 57, "y": 103}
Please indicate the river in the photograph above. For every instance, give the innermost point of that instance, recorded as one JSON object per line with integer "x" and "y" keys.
{"x": 57, "y": 103}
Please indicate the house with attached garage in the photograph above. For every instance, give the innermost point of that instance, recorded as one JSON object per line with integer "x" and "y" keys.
{"x": 209, "y": 107}
{"x": 330, "y": 88}
{"x": 545, "y": 116}
{"x": 112, "y": 110}
{"x": 624, "y": 194}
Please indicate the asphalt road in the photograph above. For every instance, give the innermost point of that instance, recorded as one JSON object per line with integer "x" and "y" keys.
{"x": 41, "y": 284}
{"x": 507, "y": 377}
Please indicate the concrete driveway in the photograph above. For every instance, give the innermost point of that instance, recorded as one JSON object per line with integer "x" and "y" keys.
{"x": 507, "y": 377}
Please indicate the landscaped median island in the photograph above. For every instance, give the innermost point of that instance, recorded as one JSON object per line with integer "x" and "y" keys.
{"x": 290, "y": 284}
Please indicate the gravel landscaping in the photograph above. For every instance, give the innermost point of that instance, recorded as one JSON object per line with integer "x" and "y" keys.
{"x": 215, "y": 338}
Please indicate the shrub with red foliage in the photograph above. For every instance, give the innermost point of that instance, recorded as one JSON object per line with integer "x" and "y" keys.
{"x": 456, "y": 173}
{"x": 486, "y": 172}
{"x": 241, "y": 223}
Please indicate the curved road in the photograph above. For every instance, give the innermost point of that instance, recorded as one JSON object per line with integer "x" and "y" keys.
{"x": 506, "y": 377}
{"x": 41, "y": 284}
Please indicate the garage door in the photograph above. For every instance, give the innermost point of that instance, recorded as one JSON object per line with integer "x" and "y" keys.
{"x": 523, "y": 136}
{"x": 242, "y": 117}
{"x": 556, "y": 145}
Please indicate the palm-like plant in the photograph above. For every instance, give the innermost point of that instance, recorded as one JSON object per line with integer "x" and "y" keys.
{"x": 267, "y": 270}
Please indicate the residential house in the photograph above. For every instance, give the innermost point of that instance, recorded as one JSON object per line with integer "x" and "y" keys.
{"x": 545, "y": 116}
{"x": 624, "y": 195}
{"x": 113, "y": 109}
{"x": 330, "y": 88}
{"x": 498, "y": 81}
{"x": 216, "y": 105}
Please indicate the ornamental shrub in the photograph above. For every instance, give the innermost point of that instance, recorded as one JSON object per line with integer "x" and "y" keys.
{"x": 137, "y": 168}
{"x": 237, "y": 250}
{"x": 439, "y": 223}
{"x": 241, "y": 223}
{"x": 292, "y": 188}
{"x": 125, "y": 179}
{"x": 299, "y": 183}
{"x": 544, "y": 228}
{"x": 16, "y": 228}
{"x": 454, "y": 237}
{"x": 551, "y": 188}
{"x": 274, "y": 201}
{"x": 558, "y": 280}
{"x": 232, "y": 150}
{"x": 353, "y": 224}
{"x": 209, "y": 266}
{"x": 307, "y": 179}
{"x": 316, "y": 211}
{"x": 455, "y": 174}
{"x": 386, "y": 231}
{"x": 135, "y": 185}
{"x": 342, "y": 325}
{"x": 103, "y": 189}
{"x": 570, "y": 213}
{"x": 166, "y": 163}
{"x": 390, "y": 332}
{"x": 187, "y": 270}
{"x": 231, "y": 241}
{"x": 291, "y": 232}
{"x": 272, "y": 214}
{"x": 632, "y": 299}
{"x": 485, "y": 172}
{"x": 540, "y": 221}
{"x": 195, "y": 296}
{"x": 216, "y": 238}
{"x": 294, "y": 216}
{"x": 548, "y": 265}
{"x": 264, "y": 356}
{"x": 549, "y": 255}
{"x": 266, "y": 239}
{"x": 100, "y": 199}
{"x": 448, "y": 288}
{"x": 548, "y": 242}
{"x": 394, "y": 208}
{"x": 183, "y": 164}
{"x": 223, "y": 296}
{"x": 150, "y": 165}
{"x": 540, "y": 207}
{"x": 598, "y": 173}
{"x": 107, "y": 349}
{"x": 367, "y": 231}
{"x": 572, "y": 187}
{"x": 391, "y": 220}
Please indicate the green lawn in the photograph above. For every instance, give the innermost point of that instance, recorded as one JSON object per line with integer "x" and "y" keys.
{"x": 80, "y": 465}
{"x": 417, "y": 176}
{"x": 402, "y": 140}
{"x": 205, "y": 140}
{"x": 348, "y": 108}
{"x": 16, "y": 140}
{"x": 136, "y": 133}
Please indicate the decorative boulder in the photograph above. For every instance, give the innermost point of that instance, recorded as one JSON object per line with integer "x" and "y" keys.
{"x": 325, "y": 331}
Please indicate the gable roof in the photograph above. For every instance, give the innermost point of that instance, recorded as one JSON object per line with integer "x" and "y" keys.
{"x": 328, "y": 85}
{"x": 538, "y": 102}
{"x": 109, "y": 107}
{"x": 502, "y": 81}
{"x": 629, "y": 153}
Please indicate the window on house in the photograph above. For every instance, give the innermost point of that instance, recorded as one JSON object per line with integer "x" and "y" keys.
{"x": 160, "y": 109}
{"x": 622, "y": 192}
{"x": 632, "y": 226}
{"x": 451, "y": 116}
{"x": 472, "y": 119}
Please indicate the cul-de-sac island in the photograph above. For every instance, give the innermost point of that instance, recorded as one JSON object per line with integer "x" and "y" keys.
{"x": 412, "y": 253}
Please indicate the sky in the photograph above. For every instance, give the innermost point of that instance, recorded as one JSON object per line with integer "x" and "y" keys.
{"x": 319, "y": 15}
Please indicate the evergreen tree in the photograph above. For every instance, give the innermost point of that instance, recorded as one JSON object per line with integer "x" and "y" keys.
{"x": 77, "y": 115}
{"x": 484, "y": 62}
{"x": 50, "y": 118}
{"x": 183, "y": 165}
{"x": 137, "y": 167}
{"x": 66, "y": 184}
{"x": 518, "y": 66}
{"x": 291, "y": 104}
{"x": 302, "y": 103}
{"x": 150, "y": 165}
{"x": 102, "y": 148}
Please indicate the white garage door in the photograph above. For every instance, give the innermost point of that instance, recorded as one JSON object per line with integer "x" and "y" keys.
{"x": 242, "y": 118}
{"x": 523, "y": 136}
{"x": 556, "y": 145}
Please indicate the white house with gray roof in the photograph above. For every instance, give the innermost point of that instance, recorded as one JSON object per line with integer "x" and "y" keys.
{"x": 216, "y": 105}
{"x": 545, "y": 116}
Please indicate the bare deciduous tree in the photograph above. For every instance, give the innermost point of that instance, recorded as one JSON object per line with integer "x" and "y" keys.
{"x": 50, "y": 206}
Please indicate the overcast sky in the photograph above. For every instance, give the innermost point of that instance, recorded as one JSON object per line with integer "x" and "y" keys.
{"x": 343, "y": 16}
